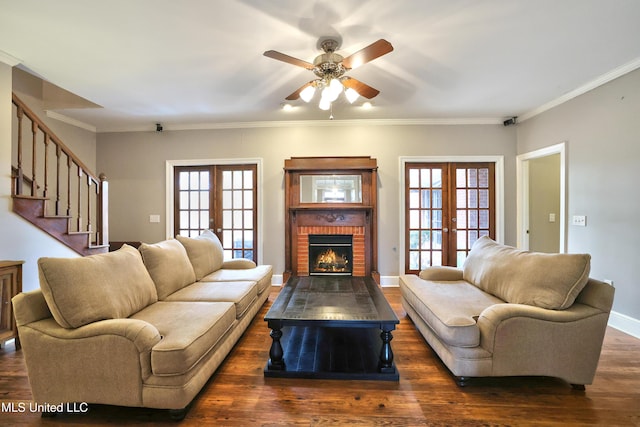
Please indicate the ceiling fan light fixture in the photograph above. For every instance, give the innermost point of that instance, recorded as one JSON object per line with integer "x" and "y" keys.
{"x": 351, "y": 95}
{"x": 307, "y": 93}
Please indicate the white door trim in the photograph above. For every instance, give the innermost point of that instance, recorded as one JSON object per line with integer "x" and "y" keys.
{"x": 522, "y": 193}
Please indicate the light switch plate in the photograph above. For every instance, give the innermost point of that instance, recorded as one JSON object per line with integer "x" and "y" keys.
{"x": 579, "y": 220}
{"x": 154, "y": 218}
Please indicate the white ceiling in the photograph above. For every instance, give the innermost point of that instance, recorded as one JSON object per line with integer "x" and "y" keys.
{"x": 199, "y": 63}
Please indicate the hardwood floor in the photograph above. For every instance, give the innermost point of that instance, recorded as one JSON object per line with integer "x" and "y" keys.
{"x": 239, "y": 395}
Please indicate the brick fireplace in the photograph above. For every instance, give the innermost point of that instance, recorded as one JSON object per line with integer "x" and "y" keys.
{"x": 356, "y": 217}
{"x": 358, "y": 247}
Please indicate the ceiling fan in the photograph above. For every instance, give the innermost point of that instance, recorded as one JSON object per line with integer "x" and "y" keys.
{"x": 330, "y": 68}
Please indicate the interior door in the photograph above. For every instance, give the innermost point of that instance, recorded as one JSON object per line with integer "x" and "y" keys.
{"x": 222, "y": 198}
{"x": 448, "y": 207}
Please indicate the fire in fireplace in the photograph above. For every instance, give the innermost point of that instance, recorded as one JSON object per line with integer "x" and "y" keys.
{"x": 330, "y": 254}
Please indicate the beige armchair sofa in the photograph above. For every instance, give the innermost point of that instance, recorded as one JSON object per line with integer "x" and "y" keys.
{"x": 143, "y": 328}
{"x": 509, "y": 312}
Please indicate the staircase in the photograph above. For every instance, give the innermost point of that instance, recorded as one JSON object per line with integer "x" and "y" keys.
{"x": 53, "y": 189}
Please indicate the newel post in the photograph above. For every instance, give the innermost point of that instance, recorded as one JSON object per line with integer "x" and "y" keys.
{"x": 103, "y": 210}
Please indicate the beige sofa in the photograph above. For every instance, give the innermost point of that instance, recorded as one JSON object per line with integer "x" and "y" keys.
{"x": 142, "y": 328}
{"x": 509, "y": 312}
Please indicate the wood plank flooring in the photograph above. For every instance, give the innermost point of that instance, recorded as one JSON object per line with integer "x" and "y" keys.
{"x": 426, "y": 395}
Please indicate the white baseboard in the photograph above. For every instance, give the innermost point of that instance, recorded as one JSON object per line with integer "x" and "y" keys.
{"x": 276, "y": 280}
{"x": 625, "y": 323}
{"x": 390, "y": 281}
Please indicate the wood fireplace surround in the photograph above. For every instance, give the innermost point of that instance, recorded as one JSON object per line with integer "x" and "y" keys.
{"x": 357, "y": 218}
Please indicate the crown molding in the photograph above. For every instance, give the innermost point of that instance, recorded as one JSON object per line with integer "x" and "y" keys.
{"x": 599, "y": 81}
{"x": 8, "y": 59}
{"x": 70, "y": 121}
{"x": 317, "y": 123}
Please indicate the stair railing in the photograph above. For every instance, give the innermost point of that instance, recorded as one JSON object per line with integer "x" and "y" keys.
{"x": 43, "y": 167}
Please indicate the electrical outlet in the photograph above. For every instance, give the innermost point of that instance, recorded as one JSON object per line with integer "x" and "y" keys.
{"x": 579, "y": 220}
{"x": 552, "y": 217}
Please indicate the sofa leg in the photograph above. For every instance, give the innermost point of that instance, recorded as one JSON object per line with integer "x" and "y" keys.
{"x": 578, "y": 387}
{"x": 462, "y": 381}
{"x": 178, "y": 414}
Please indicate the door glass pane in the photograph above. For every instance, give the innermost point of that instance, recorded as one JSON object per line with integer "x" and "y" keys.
{"x": 423, "y": 216}
{"x": 473, "y": 206}
{"x": 226, "y": 180}
{"x": 192, "y": 201}
{"x": 414, "y": 178}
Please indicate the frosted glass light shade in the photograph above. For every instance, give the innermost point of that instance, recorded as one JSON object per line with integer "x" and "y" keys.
{"x": 335, "y": 87}
{"x": 351, "y": 95}
{"x": 307, "y": 93}
{"x": 325, "y": 104}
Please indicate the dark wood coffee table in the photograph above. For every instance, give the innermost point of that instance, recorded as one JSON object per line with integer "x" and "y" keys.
{"x": 332, "y": 327}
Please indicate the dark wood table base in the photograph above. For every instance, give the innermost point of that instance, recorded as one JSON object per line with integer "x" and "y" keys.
{"x": 331, "y": 353}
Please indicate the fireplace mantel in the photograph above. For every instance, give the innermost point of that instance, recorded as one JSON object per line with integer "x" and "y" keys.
{"x": 359, "y": 219}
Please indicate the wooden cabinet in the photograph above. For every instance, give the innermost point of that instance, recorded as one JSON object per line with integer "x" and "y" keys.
{"x": 10, "y": 285}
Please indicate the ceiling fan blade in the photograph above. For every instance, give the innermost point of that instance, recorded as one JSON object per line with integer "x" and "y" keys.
{"x": 369, "y": 53}
{"x": 295, "y": 95}
{"x": 362, "y": 89}
{"x": 288, "y": 59}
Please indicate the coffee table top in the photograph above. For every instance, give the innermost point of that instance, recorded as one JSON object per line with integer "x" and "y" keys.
{"x": 336, "y": 301}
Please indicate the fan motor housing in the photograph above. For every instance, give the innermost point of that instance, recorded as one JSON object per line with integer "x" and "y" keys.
{"x": 329, "y": 65}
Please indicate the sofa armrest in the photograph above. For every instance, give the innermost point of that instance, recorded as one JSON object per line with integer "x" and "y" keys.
{"x": 441, "y": 273}
{"x": 527, "y": 340}
{"x": 103, "y": 362}
{"x": 238, "y": 264}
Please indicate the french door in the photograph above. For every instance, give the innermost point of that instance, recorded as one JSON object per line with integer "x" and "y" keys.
{"x": 222, "y": 198}
{"x": 448, "y": 206}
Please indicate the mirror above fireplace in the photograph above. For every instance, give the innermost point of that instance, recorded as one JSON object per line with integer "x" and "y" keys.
{"x": 330, "y": 188}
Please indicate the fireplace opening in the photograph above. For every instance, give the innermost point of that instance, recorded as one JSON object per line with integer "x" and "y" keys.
{"x": 331, "y": 254}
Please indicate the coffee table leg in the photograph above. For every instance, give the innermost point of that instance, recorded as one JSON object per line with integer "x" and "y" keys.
{"x": 276, "y": 360}
{"x": 386, "y": 354}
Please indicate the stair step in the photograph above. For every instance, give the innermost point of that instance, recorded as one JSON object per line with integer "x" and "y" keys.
{"x": 26, "y": 197}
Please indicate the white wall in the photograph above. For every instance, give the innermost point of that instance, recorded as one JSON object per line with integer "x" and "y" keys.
{"x": 135, "y": 166}
{"x": 19, "y": 240}
{"x": 602, "y": 131}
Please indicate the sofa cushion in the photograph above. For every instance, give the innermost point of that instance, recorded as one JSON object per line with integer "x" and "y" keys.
{"x": 260, "y": 274}
{"x": 205, "y": 252}
{"x": 189, "y": 331}
{"x": 242, "y": 294}
{"x": 544, "y": 280}
{"x": 450, "y": 308}
{"x": 168, "y": 265}
{"x": 83, "y": 290}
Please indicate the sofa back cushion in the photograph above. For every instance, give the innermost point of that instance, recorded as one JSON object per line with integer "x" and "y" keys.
{"x": 550, "y": 281}
{"x": 205, "y": 252}
{"x": 83, "y": 290}
{"x": 168, "y": 265}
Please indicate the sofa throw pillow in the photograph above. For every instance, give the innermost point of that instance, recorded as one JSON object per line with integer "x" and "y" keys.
{"x": 205, "y": 252}
{"x": 83, "y": 290}
{"x": 544, "y": 280}
{"x": 168, "y": 265}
